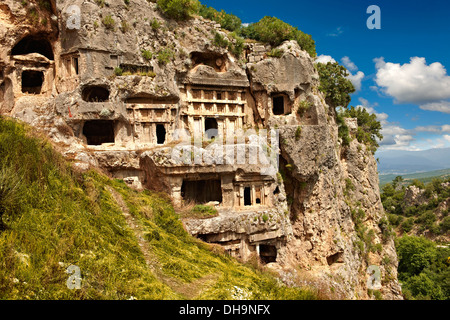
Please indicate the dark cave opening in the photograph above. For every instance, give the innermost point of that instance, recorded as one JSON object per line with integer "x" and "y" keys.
{"x": 32, "y": 81}
{"x": 34, "y": 44}
{"x": 160, "y": 134}
{"x": 267, "y": 253}
{"x": 98, "y": 132}
{"x": 202, "y": 191}
{"x": 278, "y": 105}
{"x": 95, "y": 94}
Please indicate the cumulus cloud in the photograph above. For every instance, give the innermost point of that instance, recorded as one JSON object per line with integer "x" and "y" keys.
{"x": 325, "y": 59}
{"x": 394, "y": 136}
{"x": 415, "y": 82}
{"x": 441, "y": 106}
{"x": 447, "y": 137}
{"x": 356, "y": 79}
{"x": 349, "y": 64}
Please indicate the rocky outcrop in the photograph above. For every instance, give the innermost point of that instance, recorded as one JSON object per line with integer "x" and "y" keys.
{"x": 130, "y": 88}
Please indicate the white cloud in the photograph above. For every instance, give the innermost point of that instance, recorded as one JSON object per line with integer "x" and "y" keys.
{"x": 446, "y": 137}
{"x": 349, "y": 64}
{"x": 441, "y": 106}
{"x": 356, "y": 79}
{"x": 414, "y": 82}
{"x": 325, "y": 59}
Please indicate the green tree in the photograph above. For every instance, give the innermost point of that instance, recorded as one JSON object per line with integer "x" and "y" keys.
{"x": 369, "y": 128}
{"x": 415, "y": 254}
{"x": 334, "y": 84}
{"x": 178, "y": 9}
{"x": 423, "y": 288}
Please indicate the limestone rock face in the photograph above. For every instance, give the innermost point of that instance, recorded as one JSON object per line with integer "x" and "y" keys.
{"x": 156, "y": 103}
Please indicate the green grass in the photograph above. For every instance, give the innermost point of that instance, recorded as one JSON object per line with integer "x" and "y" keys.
{"x": 53, "y": 217}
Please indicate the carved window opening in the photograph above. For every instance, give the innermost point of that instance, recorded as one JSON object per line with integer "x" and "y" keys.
{"x": 278, "y": 105}
{"x": 98, "y": 132}
{"x": 276, "y": 191}
{"x": 202, "y": 191}
{"x": 71, "y": 66}
{"x": 95, "y": 94}
{"x": 33, "y": 44}
{"x": 247, "y": 196}
{"x": 211, "y": 128}
{"x": 160, "y": 134}
{"x": 257, "y": 195}
{"x": 32, "y": 81}
{"x": 75, "y": 65}
{"x": 267, "y": 253}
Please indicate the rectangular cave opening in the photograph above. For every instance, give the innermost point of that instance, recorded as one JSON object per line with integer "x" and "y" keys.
{"x": 160, "y": 134}
{"x": 278, "y": 105}
{"x": 211, "y": 128}
{"x": 202, "y": 191}
{"x": 267, "y": 253}
{"x": 247, "y": 196}
{"x": 32, "y": 81}
{"x": 98, "y": 132}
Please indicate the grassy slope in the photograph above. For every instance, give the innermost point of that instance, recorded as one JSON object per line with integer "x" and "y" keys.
{"x": 54, "y": 217}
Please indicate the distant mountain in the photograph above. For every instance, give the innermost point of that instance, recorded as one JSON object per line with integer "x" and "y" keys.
{"x": 405, "y": 162}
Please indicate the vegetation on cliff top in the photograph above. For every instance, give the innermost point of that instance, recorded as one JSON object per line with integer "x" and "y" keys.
{"x": 53, "y": 217}
{"x": 268, "y": 30}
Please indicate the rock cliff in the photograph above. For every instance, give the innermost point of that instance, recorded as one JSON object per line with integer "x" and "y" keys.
{"x": 123, "y": 88}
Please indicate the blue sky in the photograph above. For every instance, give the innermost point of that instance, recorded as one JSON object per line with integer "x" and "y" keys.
{"x": 403, "y": 69}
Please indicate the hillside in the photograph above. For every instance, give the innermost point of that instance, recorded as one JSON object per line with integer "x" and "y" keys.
{"x": 418, "y": 213}
{"x": 127, "y": 244}
{"x": 424, "y": 177}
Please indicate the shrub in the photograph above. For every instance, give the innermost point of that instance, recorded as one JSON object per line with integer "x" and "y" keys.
{"x": 124, "y": 26}
{"x": 220, "y": 40}
{"x": 108, "y": 22}
{"x": 227, "y": 21}
{"x": 146, "y": 54}
{"x": 343, "y": 131}
{"x": 238, "y": 47}
{"x": 118, "y": 71}
{"x": 275, "y": 53}
{"x": 155, "y": 24}
{"x": 407, "y": 225}
{"x": 303, "y": 106}
{"x": 178, "y": 9}
{"x": 298, "y": 133}
{"x": 164, "y": 56}
{"x": 274, "y": 31}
